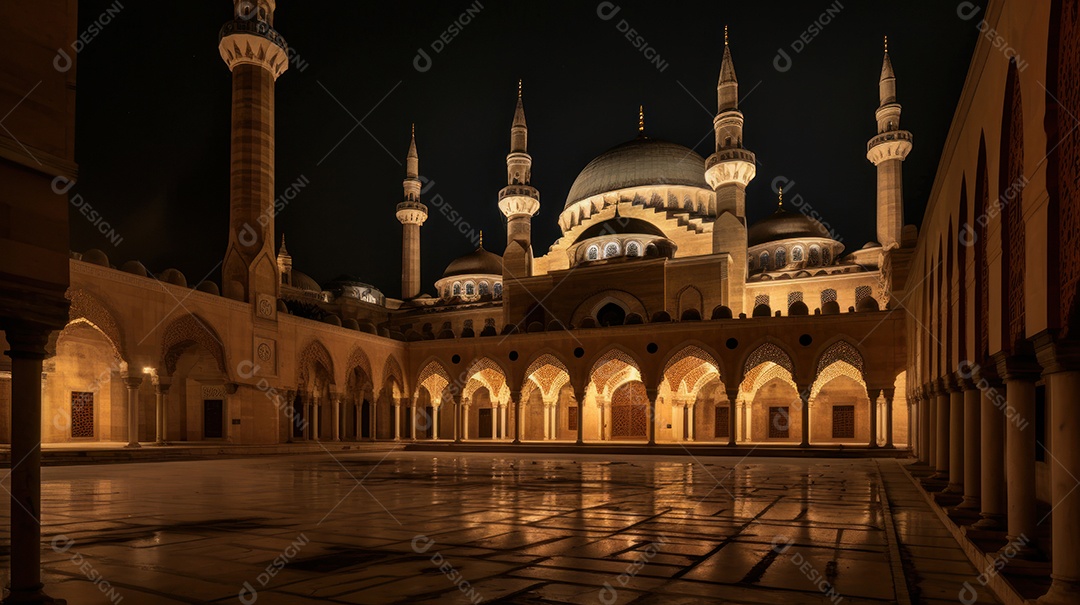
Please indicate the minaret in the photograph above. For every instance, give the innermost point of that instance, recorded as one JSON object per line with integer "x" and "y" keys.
{"x": 518, "y": 201}
{"x": 412, "y": 213}
{"x": 728, "y": 172}
{"x": 887, "y": 151}
{"x": 284, "y": 263}
{"x": 256, "y": 54}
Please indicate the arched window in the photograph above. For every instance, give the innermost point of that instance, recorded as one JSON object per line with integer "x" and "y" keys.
{"x": 633, "y": 249}
{"x": 470, "y": 288}
{"x": 611, "y": 249}
{"x": 498, "y": 289}
{"x": 797, "y": 254}
{"x": 484, "y": 289}
{"x": 457, "y": 288}
{"x": 781, "y": 258}
{"x": 826, "y": 257}
{"x": 592, "y": 253}
{"x": 828, "y": 296}
{"x": 815, "y": 256}
{"x": 861, "y": 293}
{"x": 764, "y": 261}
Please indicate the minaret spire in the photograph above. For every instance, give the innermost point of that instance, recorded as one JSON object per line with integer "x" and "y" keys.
{"x": 728, "y": 172}
{"x": 887, "y": 151}
{"x": 727, "y": 88}
{"x": 518, "y": 202}
{"x": 411, "y": 213}
{"x": 641, "y": 121}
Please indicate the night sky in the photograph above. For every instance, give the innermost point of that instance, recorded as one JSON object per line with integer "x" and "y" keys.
{"x": 153, "y": 113}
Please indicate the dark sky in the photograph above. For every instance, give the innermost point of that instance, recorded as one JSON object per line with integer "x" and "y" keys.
{"x": 154, "y": 101}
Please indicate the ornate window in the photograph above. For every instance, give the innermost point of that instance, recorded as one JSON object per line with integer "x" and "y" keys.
{"x": 457, "y": 288}
{"x": 828, "y": 296}
{"x": 861, "y": 293}
{"x": 794, "y": 297}
{"x": 764, "y": 261}
{"x": 826, "y": 257}
{"x": 484, "y": 289}
{"x": 593, "y": 253}
{"x": 761, "y": 299}
{"x": 633, "y": 249}
{"x": 82, "y": 414}
{"x": 781, "y": 258}
{"x": 797, "y": 254}
{"x": 611, "y": 249}
{"x": 815, "y": 256}
{"x": 498, "y": 289}
{"x": 843, "y": 421}
{"x": 470, "y": 288}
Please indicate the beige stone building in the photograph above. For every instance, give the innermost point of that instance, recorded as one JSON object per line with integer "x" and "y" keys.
{"x": 660, "y": 315}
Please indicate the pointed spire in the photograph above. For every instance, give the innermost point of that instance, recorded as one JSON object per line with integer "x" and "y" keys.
{"x": 519, "y": 131}
{"x": 641, "y": 121}
{"x": 728, "y": 87}
{"x": 481, "y": 238}
{"x": 282, "y": 251}
{"x": 780, "y": 201}
{"x": 887, "y": 83}
{"x": 412, "y": 162}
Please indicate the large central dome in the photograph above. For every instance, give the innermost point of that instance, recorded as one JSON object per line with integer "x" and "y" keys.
{"x": 638, "y": 163}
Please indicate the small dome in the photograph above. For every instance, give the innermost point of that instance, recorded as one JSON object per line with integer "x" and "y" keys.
{"x": 477, "y": 262}
{"x": 782, "y": 225}
{"x": 639, "y": 163}
{"x": 96, "y": 257}
{"x": 303, "y": 282}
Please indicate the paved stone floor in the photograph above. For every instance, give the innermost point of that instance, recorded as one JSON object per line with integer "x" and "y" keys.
{"x": 398, "y": 527}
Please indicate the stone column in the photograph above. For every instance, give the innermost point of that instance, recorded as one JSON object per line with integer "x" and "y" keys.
{"x": 872, "y": 394}
{"x": 286, "y": 407}
{"x": 1020, "y": 375}
{"x": 396, "y": 403}
{"x": 335, "y": 411}
{"x": 456, "y": 399}
{"x": 465, "y": 419}
{"x": 132, "y": 382}
{"x": 889, "y": 394}
{"x": 972, "y": 445}
{"x": 547, "y": 420}
{"x": 27, "y": 353}
{"x": 605, "y": 420}
{"x": 991, "y": 453}
{"x": 689, "y": 411}
{"x": 931, "y": 441}
{"x": 579, "y": 395}
{"x": 941, "y": 439}
{"x": 733, "y": 427}
{"x": 651, "y": 395}
{"x": 373, "y": 427}
{"x": 436, "y": 415}
{"x": 503, "y": 416}
{"x": 1064, "y": 436}
{"x": 925, "y": 438}
{"x": 358, "y": 410}
{"x": 515, "y": 397}
{"x": 804, "y": 395}
{"x": 956, "y": 440}
{"x": 411, "y": 410}
{"x": 161, "y": 389}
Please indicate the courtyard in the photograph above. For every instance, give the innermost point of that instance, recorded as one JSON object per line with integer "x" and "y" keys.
{"x": 412, "y": 527}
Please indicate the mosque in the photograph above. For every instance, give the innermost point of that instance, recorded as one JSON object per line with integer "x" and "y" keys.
{"x": 660, "y": 316}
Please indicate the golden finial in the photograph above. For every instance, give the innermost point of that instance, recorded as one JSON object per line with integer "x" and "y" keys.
{"x": 725, "y": 36}
{"x": 641, "y": 118}
{"x": 886, "y": 44}
{"x": 780, "y": 193}
{"x": 481, "y": 238}
{"x": 519, "y": 88}
{"x": 414, "y": 129}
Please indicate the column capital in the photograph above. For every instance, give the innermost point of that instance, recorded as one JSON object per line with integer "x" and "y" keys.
{"x": 26, "y": 341}
{"x": 132, "y": 381}
{"x": 162, "y": 387}
{"x": 1055, "y": 355}
{"x": 1017, "y": 367}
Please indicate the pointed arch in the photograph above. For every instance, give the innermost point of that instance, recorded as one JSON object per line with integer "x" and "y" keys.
{"x": 616, "y": 365}
{"x": 964, "y": 249}
{"x": 947, "y": 298}
{"x": 982, "y": 265}
{"x": 392, "y": 376}
{"x": 485, "y": 372}
{"x": 314, "y": 354}
{"x": 88, "y": 308}
{"x": 844, "y": 351}
{"x": 687, "y": 367}
{"x": 434, "y": 379}
{"x": 835, "y": 370}
{"x": 1011, "y": 194}
{"x": 769, "y": 352}
{"x": 184, "y": 332}
{"x": 547, "y": 373}
{"x": 359, "y": 359}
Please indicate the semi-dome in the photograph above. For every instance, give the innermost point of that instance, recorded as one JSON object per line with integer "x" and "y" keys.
{"x": 619, "y": 226}
{"x": 781, "y": 225}
{"x": 477, "y": 262}
{"x": 639, "y": 163}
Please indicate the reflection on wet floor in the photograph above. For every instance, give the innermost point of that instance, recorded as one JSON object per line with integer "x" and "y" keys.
{"x": 466, "y": 528}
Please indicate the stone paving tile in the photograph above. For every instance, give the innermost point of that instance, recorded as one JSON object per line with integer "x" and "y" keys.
{"x": 498, "y": 527}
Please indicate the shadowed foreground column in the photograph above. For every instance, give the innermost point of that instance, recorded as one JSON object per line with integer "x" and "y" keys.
{"x": 26, "y": 353}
